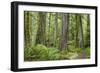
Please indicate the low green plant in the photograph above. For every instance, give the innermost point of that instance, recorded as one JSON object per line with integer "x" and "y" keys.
{"x": 41, "y": 52}
{"x": 63, "y": 54}
{"x": 74, "y": 49}
{"x": 27, "y": 53}
{"x": 53, "y": 54}
{"x": 87, "y": 51}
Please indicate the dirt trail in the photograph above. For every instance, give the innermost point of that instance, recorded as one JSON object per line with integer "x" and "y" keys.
{"x": 82, "y": 55}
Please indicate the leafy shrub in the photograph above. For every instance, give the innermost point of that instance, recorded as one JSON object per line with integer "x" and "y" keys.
{"x": 73, "y": 49}
{"x": 27, "y": 53}
{"x": 41, "y": 52}
{"x": 53, "y": 54}
{"x": 39, "y": 49}
{"x": 87, "y": 51}
{"x": 63, "y": 55}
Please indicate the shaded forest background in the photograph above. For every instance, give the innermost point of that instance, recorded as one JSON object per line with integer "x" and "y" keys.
{"x": 56, "y": 36}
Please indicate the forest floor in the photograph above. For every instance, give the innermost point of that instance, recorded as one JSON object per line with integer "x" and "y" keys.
{"x": 43, "y": 53}
{"x": 82, "y": 55}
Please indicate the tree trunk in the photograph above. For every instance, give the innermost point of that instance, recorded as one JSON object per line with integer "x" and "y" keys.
{"x": 56, "y": 28}
{"x": 64, "y": 31}
{"x": 81, "y": 40}
{"x": 27, "y": 29}
{"x": 87, "y": 38}
{"x": 77, "y": 30}
{"x": 40, "y": 38}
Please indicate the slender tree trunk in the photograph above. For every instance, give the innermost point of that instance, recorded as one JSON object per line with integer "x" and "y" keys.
{"x": 88, "y": 30}
{"x": 56, "y": 28}
{"x": 81, "y": 39}
{"x": 87, "y": 38}
{"x": 67, "y": 31}
{"x": 77, "y": 30}
{"x": 49, "y": 38}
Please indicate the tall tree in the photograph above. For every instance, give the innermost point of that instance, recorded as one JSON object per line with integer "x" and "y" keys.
{"x": 77, "y": 30}
{"x": 40, "y": 38}
{"x": 49, "y": 26}
{"x": 87, "y": 39}
{"x": 81, "y": 37}
{"x": 64, "y": 31}
{"x": 56, "y": 28}
{"x": 27, "y": 29}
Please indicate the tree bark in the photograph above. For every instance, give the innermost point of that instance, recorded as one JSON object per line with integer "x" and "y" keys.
{"x": 64, "y": 31}
{"x": 87, "y": 38}
{"x": 81, "y": 37}
{"x": 56, "y": 28}
{"x": 27, "y": 29}
{"x": 77, "y": 31}
{"x": 40, "y": 38}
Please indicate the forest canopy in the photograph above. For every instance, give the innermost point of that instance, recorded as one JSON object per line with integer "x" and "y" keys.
{"x": 56, "y": 36}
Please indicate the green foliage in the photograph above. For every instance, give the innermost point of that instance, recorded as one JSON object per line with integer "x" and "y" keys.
{"x": 41, "y": 52}
{"x": 63, "y": 54}
{"x": 55, "y": 35}
{"x": 38, "y": 52}
{"x": 28, "y": 53}
{"x": 53, "y": 54}
{"x": 68, "y": 55}
{"x": 73, "y": 49}
{"x": 72, "y": 55}
{"x": 40, "y": 48}
{"x": 87, "y": 51}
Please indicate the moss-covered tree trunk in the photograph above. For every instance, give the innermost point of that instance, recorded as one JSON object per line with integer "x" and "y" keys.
{"x": 27, "y": 29}
{"x": 87, "y": 38}
{"x": 40, "y": 38}
{"x": 81, "y": 37}
{"x": 56, "y": 29}
{"x": 77, "y": 31}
